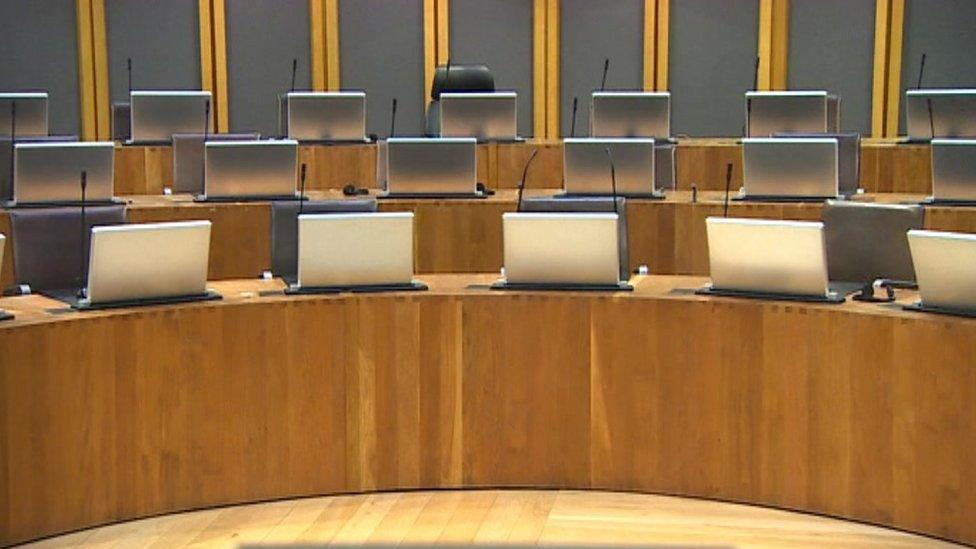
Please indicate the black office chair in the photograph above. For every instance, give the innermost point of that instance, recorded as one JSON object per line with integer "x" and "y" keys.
{"x": 121, "y": 121}
{"x": 284, "y": 228}
{"x": 455, "y": 79}
{"x": 868, "y": 243}
{"x": 46, "y": 244}
{"x": 588, "y": 204}
{"x": 188, "y": 158}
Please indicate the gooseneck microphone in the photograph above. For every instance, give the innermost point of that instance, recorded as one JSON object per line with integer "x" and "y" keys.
{"x": 755, "y": 75}
{"x": 206, "y": 135}
{"x": 572, "y": 127}
{"x": 525, "y": 173}
{"x": 393, "y": 118}
{"x": 606, "y": 67}
{"x": 728, "y": 183}
{"x": 294, "y": 69}
{"x": 84, "y": 231}
{"x": 928, "y": 102}
{"x": 13, "y": 138}
{"x": 921, "y": 71}
{"x": 128, "y": 70}
{"x": 301, "y": 191}
{"x": 613, "y": 179}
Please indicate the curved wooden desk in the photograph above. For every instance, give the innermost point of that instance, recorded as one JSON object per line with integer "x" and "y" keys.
{"x": 859, "y": 411}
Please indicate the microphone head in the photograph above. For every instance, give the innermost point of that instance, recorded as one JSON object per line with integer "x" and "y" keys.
{"x": 84, "y": 178}
{"x": 303, "y": 172}
{"x": 128, "y": 63}
{"x": 294, "y": 63}
{"x": 394, "y": 103}
{"x": 728, "y": 172}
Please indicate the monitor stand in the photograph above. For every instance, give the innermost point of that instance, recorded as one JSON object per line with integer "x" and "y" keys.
{"x": 832, "y": 298}
{"x": 932, "y": 201}
{"x": 918, "y": 306}
{"x": 71, "y": 298}
{"x": 395, "y": 195}
{"x": 414, "y": 286}
{"x": 64, "y": 204}
{"x": 786, "y": 199}
{"x": 248, "y": 198}
{"x": 560, "y": 287}
{"x": 653, "y": 195}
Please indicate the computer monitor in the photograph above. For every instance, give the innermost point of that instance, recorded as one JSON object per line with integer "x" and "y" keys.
{"x": 327, "y": 116}
{"x": 490, "y": 116}
{"x": 848, "y": 158}
{"x": 250, "y": 170}
{"x": 630, "y": 114}
{"x": 586, "y": 167}
{"x": 768, "y": 258}
{"x": 188, "y": 158}
{"x": 120, "y": 271}
{"x": 771, "y": 112}
{"x": 789, "y": 169}
{"x": 953, "y": 113}
{"x": 561, "y": 251}
{"x": 431, "y": 167}
{"x": 954, "y": 170}
{"x": 31, "y": 110}
{"x": 50, "y": 173}
{"x": 157, "y": 115}
{"x": 350, "y": 250}
{"x": 945, "y": 266}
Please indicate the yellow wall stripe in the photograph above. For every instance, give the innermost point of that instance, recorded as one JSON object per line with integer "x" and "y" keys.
{"x": 430, "y": 48}
{"x": 443, "y": 32}
{"x": 650, "y": 45}
{"x": 103, "y": 103}
{"x": 332, "y": 44}
{"x": 879, "y": 84}
{"x": 213, "y": 60}
{"x": 206, "y": 51}
{"x": 539, "y": 68}
{"x": 552, "y": 69}
{"x": 663, "y": 44}
{"x": 316, "y": 21}
{"x": 774, "y": 16}
{"x": 86, "y": 70}
{"x": 896, "y": 33}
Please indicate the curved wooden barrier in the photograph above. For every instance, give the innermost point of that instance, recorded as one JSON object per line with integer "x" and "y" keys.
{"x": 857, "y": 411}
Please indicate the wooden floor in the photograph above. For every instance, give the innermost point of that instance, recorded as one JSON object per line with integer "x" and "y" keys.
{"x": 492, "y": 517}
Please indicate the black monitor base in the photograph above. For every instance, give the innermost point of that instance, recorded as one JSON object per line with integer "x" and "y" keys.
{"x": 147, "y": 143}
{"x": 501, "y": 140}
{"x": 248, "y": 198}
{"x": 829, "y": 298}
{"x": 932, "y": 201}
{"x": 71, "y": 298}
{"x": 918, "y": 306}
{"x": 788, "y": 199}
{"x": 357, "y": 288}
{"x": 4, "y": 315}
{"x": 561, "y": 287}
{"x": 917, "y": 140}
{"x": 334, "y": 142}
{"x": 657, "y": 195}
{"x": 389, "y": 196}
{"x": 64, "y": 204}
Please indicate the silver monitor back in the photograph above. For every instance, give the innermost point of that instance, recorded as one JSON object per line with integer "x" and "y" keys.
{"x": 446, "y": 165}
{"x": 790, "y": 167}
{"x": 771, "y": 112}
{"x": 848, "y": 158}
{"x": 561, "y": 248}
{"x": 355, "y": 249}
{"x": 157, "y": 115}
{"x": 945, "y": 267}
{"x": 630, "y": 114}
{"x": 954, "y": 169}
{"x": 188, "y": 158}
{"x": 953, "y": 113}
{"x": 767, "y": 256}
{"x": 327, "y": 116}
{"x": 250, "y": 168}
{"x": 51, "y": 172}
{"x": 31, "y": 110}
{"x": 484, "y": 116}
{"x": 586, "y": 167}
{"x": 120, "y": 269}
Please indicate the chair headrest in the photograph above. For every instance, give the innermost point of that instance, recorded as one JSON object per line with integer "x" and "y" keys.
{"x": 461, "y": 78}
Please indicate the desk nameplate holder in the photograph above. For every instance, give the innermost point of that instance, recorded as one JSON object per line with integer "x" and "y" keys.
{"x": 932, "y": 201}
{"x": 831, "y": 298}
{"x": 71, "y": 298}
{"x": 247, "y": 198}
{"x": 415, "y": 286}
{"x": 503, "y": 285}
{"x": 948, "y": 311}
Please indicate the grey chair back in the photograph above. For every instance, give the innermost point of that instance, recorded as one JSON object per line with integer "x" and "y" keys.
{"x": 121, "y": 121}
{"x": 866, "y": 242}
{"x": 284, "y": 228}
{"x": 588, "y": 204}
{"x": 664, "y": 172}
{"x": 47, "y": 244}
{"x": 188, "y": 158}
{"x": 6, "y": 159}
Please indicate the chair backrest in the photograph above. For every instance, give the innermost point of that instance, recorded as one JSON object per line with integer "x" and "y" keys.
{"x": 461, "y": 78}
{"x": 188, "y": 158}
{"x": 6, "y": 185}
{"x": 284, "y": 228}
{"x": 47, "y": 244}
{"x": 588, "y": 204}
{"x": 869, "y": 241}
{"x": 121, "y": 121}
{"x": 664, "y": 172}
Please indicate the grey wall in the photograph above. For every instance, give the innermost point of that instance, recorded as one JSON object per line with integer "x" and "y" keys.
{"x": 591, "y": 31}
{"x": 262, "y": 40}
{"x": 163, "y": 40}
{"x": 381, "y": 48}
{"x": 945, "y": 30}
{"x": 712, "y": 62}
{"x": 499, "y": 34}
{"x": 832, "y": 47}
{"x": 39, "y": 52}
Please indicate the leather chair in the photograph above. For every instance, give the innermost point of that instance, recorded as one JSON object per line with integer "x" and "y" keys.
{"x": 121, "y": 121}
{"x": 866, "y": 242}
{"x": 664, "y": 166}
{"x": 188, "y": 158}
{"x": 46, "y": 248}
{"x": 284, "y": 228}
{"x": 584, "y": 205}
{"x": 459, "y": 79}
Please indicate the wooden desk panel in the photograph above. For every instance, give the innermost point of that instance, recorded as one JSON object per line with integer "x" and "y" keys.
{"x": 335, "y": 166}
{"x": 142, "y": 170}
{"x": 859, "y": 410}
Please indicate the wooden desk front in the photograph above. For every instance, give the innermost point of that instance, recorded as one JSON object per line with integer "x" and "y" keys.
{"x": 859, "y": 411}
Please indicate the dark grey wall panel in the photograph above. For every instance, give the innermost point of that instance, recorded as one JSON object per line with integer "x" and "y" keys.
{"x": 591, "y": 31}
{"x": 712, "y": 63}
{"x": 39, "y": 51}
{"x": 163, "y": 40}
{"x": 497, "y": 33}
{"x": 262, "y": 40}
{"x": 381, "y": 48}
{"x": 945, "y": 30}
{"x": 832, "y": 48}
